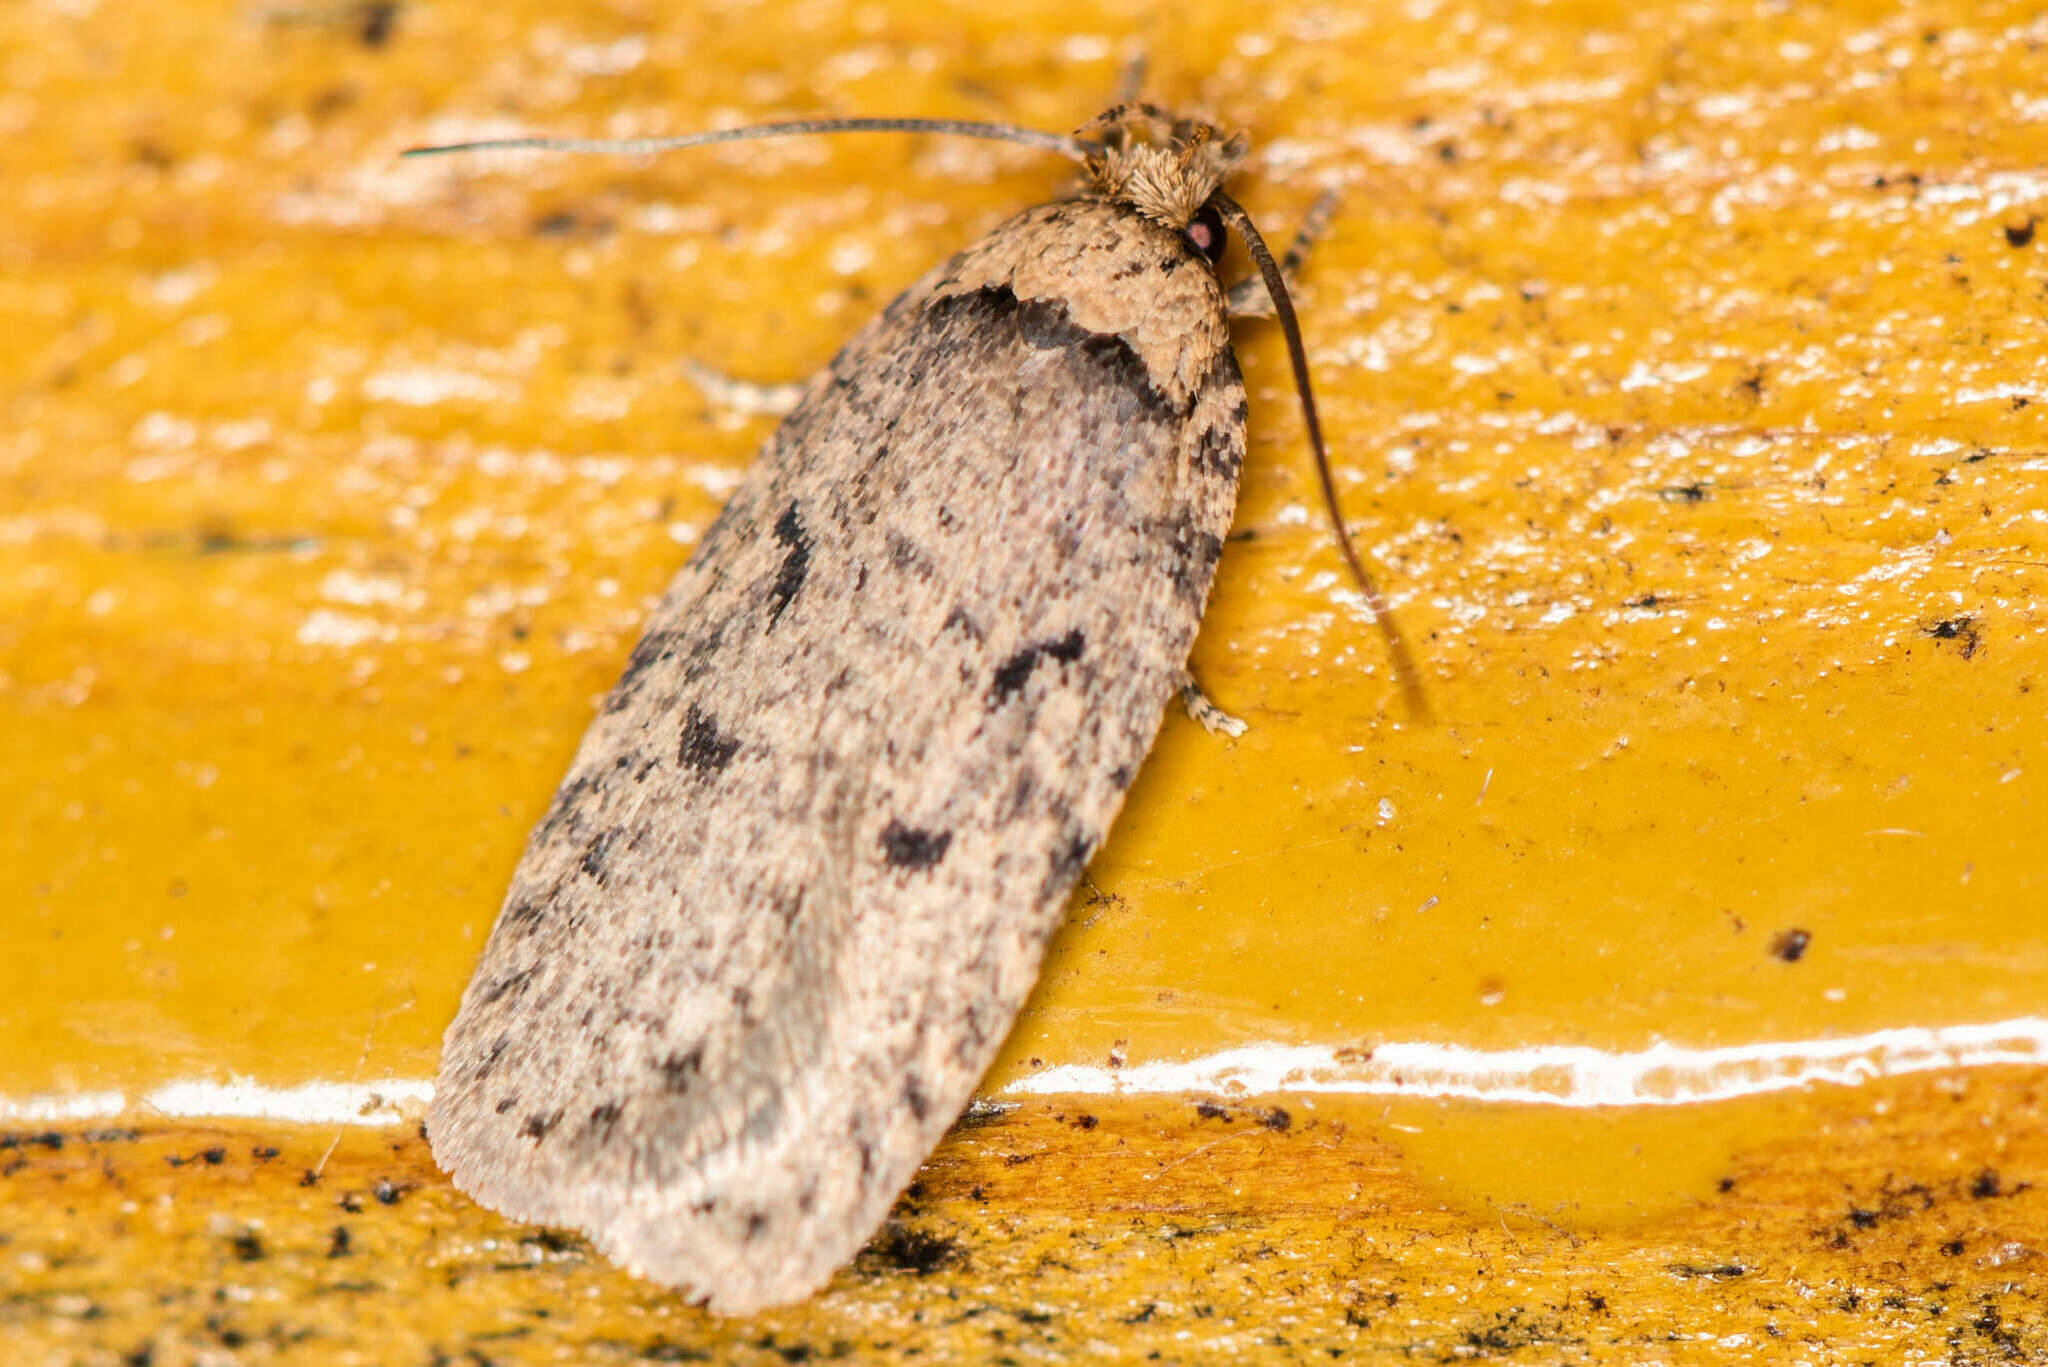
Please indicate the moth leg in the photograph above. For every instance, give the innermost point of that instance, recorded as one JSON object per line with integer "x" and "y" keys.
{"x": 1247, "y": 298}
{"x": 745, "y": 397}
{"x": 1214, "y": 719}
{"x": 1098, "y": 899}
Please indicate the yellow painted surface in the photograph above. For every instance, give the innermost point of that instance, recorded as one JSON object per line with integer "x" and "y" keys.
{"x": 1908, "y": 1223}
{"x": 1684, "y": 369}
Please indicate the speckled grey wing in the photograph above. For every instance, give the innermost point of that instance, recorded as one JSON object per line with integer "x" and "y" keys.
{"x": 799, "y": 878}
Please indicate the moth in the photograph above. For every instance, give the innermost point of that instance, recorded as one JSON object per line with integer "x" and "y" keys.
{"x": 799, "y": 877}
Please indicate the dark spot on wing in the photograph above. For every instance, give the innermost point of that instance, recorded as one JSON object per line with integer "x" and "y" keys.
{"x": 905, "y": 555}
{"x": 604, "y": 1119}
{"x": 737, "y": 515}
{"x": 704, "y": 750}
{"x": 1013, "y": 673}
{"x": 679, "y": 1070}
{"x": 1066, "y": 864}
{"x": 1044, "y": 325}
{"x": 915, "y": 1099}
{"x": 959, "y": 617}
{"x": 523, "y": 915}
{"x": 649, "y": 649}
{"x": 511, "y": 982}
{"x": 1072, "y": 857}
{"x": 1224, "y": 376}
{"x": 566, "y": 804}
{"x": 796, "y": 563}
{"x": 654, "y": 648}
{"x": 1220, "y": 450}
{"x": 488, "y": 1064}
{"x": 595, "y": 853}
{"x": 1067, "y": 648}
{"x": 1021, "y": 793}
{"x": 852, "y": 394}
{"x": 537, "y": 1125}
{"x": 505, "y": 1103}
{"x": 703, "y": 654}
{"x": 906, "y": 847}
{"x": 1191, "y": 556}
{"x": 757, "y": 1225}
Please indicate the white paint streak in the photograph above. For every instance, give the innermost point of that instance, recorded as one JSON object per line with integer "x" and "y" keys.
{"x": 389, "y": 1101}
{"x": 1664, "y": 1074}
{"x": 1553, "y": 1075}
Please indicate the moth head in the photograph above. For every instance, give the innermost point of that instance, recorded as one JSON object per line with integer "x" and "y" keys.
{"x": 1166, "y": 167}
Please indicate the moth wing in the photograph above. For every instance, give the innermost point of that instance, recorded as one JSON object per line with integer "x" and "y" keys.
{"x": 801, "y": 873}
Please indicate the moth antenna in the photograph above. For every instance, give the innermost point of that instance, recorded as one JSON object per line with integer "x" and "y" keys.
{"x": 1283, "y": 308}
{"x": 1077, "y": 149}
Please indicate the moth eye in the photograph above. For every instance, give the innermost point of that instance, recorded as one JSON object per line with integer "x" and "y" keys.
{"x": 1205, "y": 230}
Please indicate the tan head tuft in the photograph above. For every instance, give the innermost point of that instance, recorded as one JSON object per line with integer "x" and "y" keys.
{"x": 1163, "y": 166}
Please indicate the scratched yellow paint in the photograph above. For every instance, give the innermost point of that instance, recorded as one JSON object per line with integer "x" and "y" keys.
{"x": 1683, "y": 367}
{"x": 1888, "y": 1229}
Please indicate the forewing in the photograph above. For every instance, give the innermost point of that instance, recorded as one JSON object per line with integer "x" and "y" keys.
{"x": 799, "y": 878}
